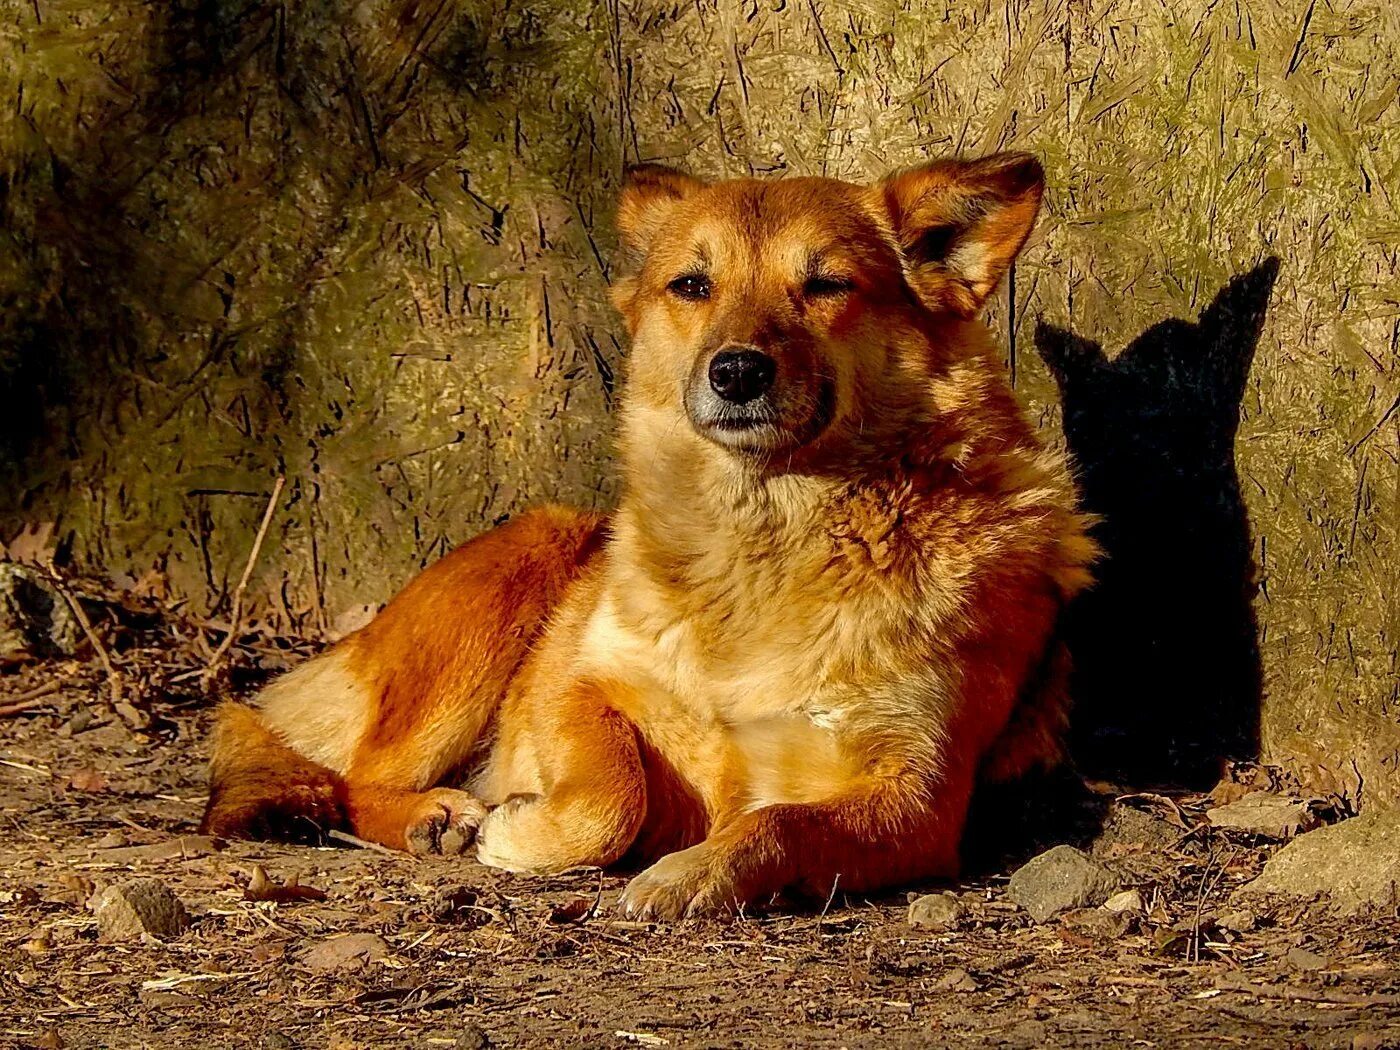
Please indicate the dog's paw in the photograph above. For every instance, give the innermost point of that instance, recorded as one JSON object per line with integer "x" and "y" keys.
{"x": 445, "y": 822}
{"x": 692, "y": 883}
{"x": 507, "y": 838}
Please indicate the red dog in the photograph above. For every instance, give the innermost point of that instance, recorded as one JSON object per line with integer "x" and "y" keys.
{"x": 823, "y": 607}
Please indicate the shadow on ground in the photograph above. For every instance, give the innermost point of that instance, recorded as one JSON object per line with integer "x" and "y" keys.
{"x": 1167, "y": 679}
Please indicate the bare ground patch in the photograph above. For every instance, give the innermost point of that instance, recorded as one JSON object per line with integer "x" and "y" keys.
{"x": 359, "y": 948}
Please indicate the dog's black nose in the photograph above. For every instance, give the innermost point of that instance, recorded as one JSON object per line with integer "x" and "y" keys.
{"x": 740, "y": 376}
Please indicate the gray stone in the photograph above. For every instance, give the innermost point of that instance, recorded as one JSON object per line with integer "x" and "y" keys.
{"x": 1129, "y": 901}
{"x": 1302, "y": 959}
{"x": 936, "y": 911}
{"x": 1129, "y": 830}
{"x": 1099, "y": 924}
{"x": 1028, "y": 1033}
{"x": 1058, "y": 880}
{"x": 128, "y": 910}
{"x": 35, "y": 619}
{"x": 1266, "y": 814}
{"x": 1242, "y": 920}
{"x": 1354, "y": 863}
{"x": 958, "y": 980}
{"x": 350, "y": 952}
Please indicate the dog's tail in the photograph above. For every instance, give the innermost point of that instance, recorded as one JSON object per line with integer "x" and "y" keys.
{"x": 260, "y": 788}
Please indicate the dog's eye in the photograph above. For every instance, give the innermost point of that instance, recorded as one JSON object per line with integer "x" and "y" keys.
{"x": 826, "y": 287}
{"x": 691, "y": 286}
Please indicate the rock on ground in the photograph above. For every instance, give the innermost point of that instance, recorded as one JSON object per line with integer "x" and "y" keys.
{"x": 1241, "y": 920}
{"x": 350, "y": 952}
{"x": 936, "y": 911}
{"x": 958, "y": 980}
{"x": 1129, "y": 830}
{"x": 142, "y": 906}
{"x": 1355, "y": 863}
{"x": 1263, "y": 813}
{"x": 1098, "y": 923}
{"x": 1302, "y": 959}
{"x": 1129, "y": 901}
{"x": 35, "y": 619}
{"x": 1058, "y": 880}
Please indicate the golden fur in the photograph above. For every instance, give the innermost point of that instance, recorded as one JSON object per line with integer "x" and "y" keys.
{"x": 813, "y": 620}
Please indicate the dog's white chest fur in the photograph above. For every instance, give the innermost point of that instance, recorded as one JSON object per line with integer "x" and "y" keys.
{"x": 776, "y": 700}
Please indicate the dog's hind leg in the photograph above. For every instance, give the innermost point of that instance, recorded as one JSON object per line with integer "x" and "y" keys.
{"x": 380, "y": 722}
{"x": 1035, "y": 733}
{"x": 261, "y": 788}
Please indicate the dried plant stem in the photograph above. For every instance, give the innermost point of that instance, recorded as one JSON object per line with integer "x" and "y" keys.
{"x": 31, "y": 699}
{"x": 114, "y": 678}
{"x": 359, "y": 843}
{"x": 236, "y": 616}
{"x": 827, "y": 906}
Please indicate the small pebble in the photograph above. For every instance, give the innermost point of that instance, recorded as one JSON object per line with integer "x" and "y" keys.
{"x": 1241, "y": 921}
{"x": 1058, "y": 880}
{"x": 936, "y": 911}
{"x": 1128, "y": 900}
{"x": 1302, "y": 959}
{"x": 139, "y": 907}
{"x": 958, "y": 980}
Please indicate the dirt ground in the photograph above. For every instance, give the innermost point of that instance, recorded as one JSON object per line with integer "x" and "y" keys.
{"x": 419, "y": 953}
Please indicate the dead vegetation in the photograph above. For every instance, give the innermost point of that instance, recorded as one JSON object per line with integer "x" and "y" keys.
{"x": 343, "y": 947}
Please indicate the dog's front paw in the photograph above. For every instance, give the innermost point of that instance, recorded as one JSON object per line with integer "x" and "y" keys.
{"x": 694, "y": 882}
{"x": 510, "y": 836}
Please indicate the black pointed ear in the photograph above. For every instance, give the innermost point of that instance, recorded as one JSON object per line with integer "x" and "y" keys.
{"x": 648, "y": 195}
{"x": 961, "y": 223}
{"x": 1069, "y": 356}
{"x": 1232, "y": 324}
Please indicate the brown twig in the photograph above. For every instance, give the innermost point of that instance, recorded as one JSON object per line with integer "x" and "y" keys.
{"x": 33, "y": 698}
{"x": 1202, "y": 895}
{"x": 236, "y": 616}
{"x": 597, "y": 898}
{"x": 821, "y": 919}
{"x": 114, "y": 678}
{"x": 355, "y": 840}
{"x": 1301, "y": 994}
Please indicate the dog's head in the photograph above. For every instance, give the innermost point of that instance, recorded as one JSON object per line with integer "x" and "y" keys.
{"x": 765, "y": 312}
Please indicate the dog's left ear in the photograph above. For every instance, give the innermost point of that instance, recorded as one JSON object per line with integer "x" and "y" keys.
{"x": 649, "y": 194}
{"x": 961, "y": 223}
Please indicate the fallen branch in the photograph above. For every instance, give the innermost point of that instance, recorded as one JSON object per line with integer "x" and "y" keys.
{"x": 114, "y": 678}
{"x": 33, "y": 698}
{"x": 355, "y": 840}
{"x": 236, "y": 617}
{"x": 1297, "y": 993}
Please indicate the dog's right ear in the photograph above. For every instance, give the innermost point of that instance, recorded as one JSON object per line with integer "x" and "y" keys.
{"x": 649, "y": 194}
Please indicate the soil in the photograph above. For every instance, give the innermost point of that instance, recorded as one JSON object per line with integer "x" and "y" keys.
{"x": 369, "y": 949}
